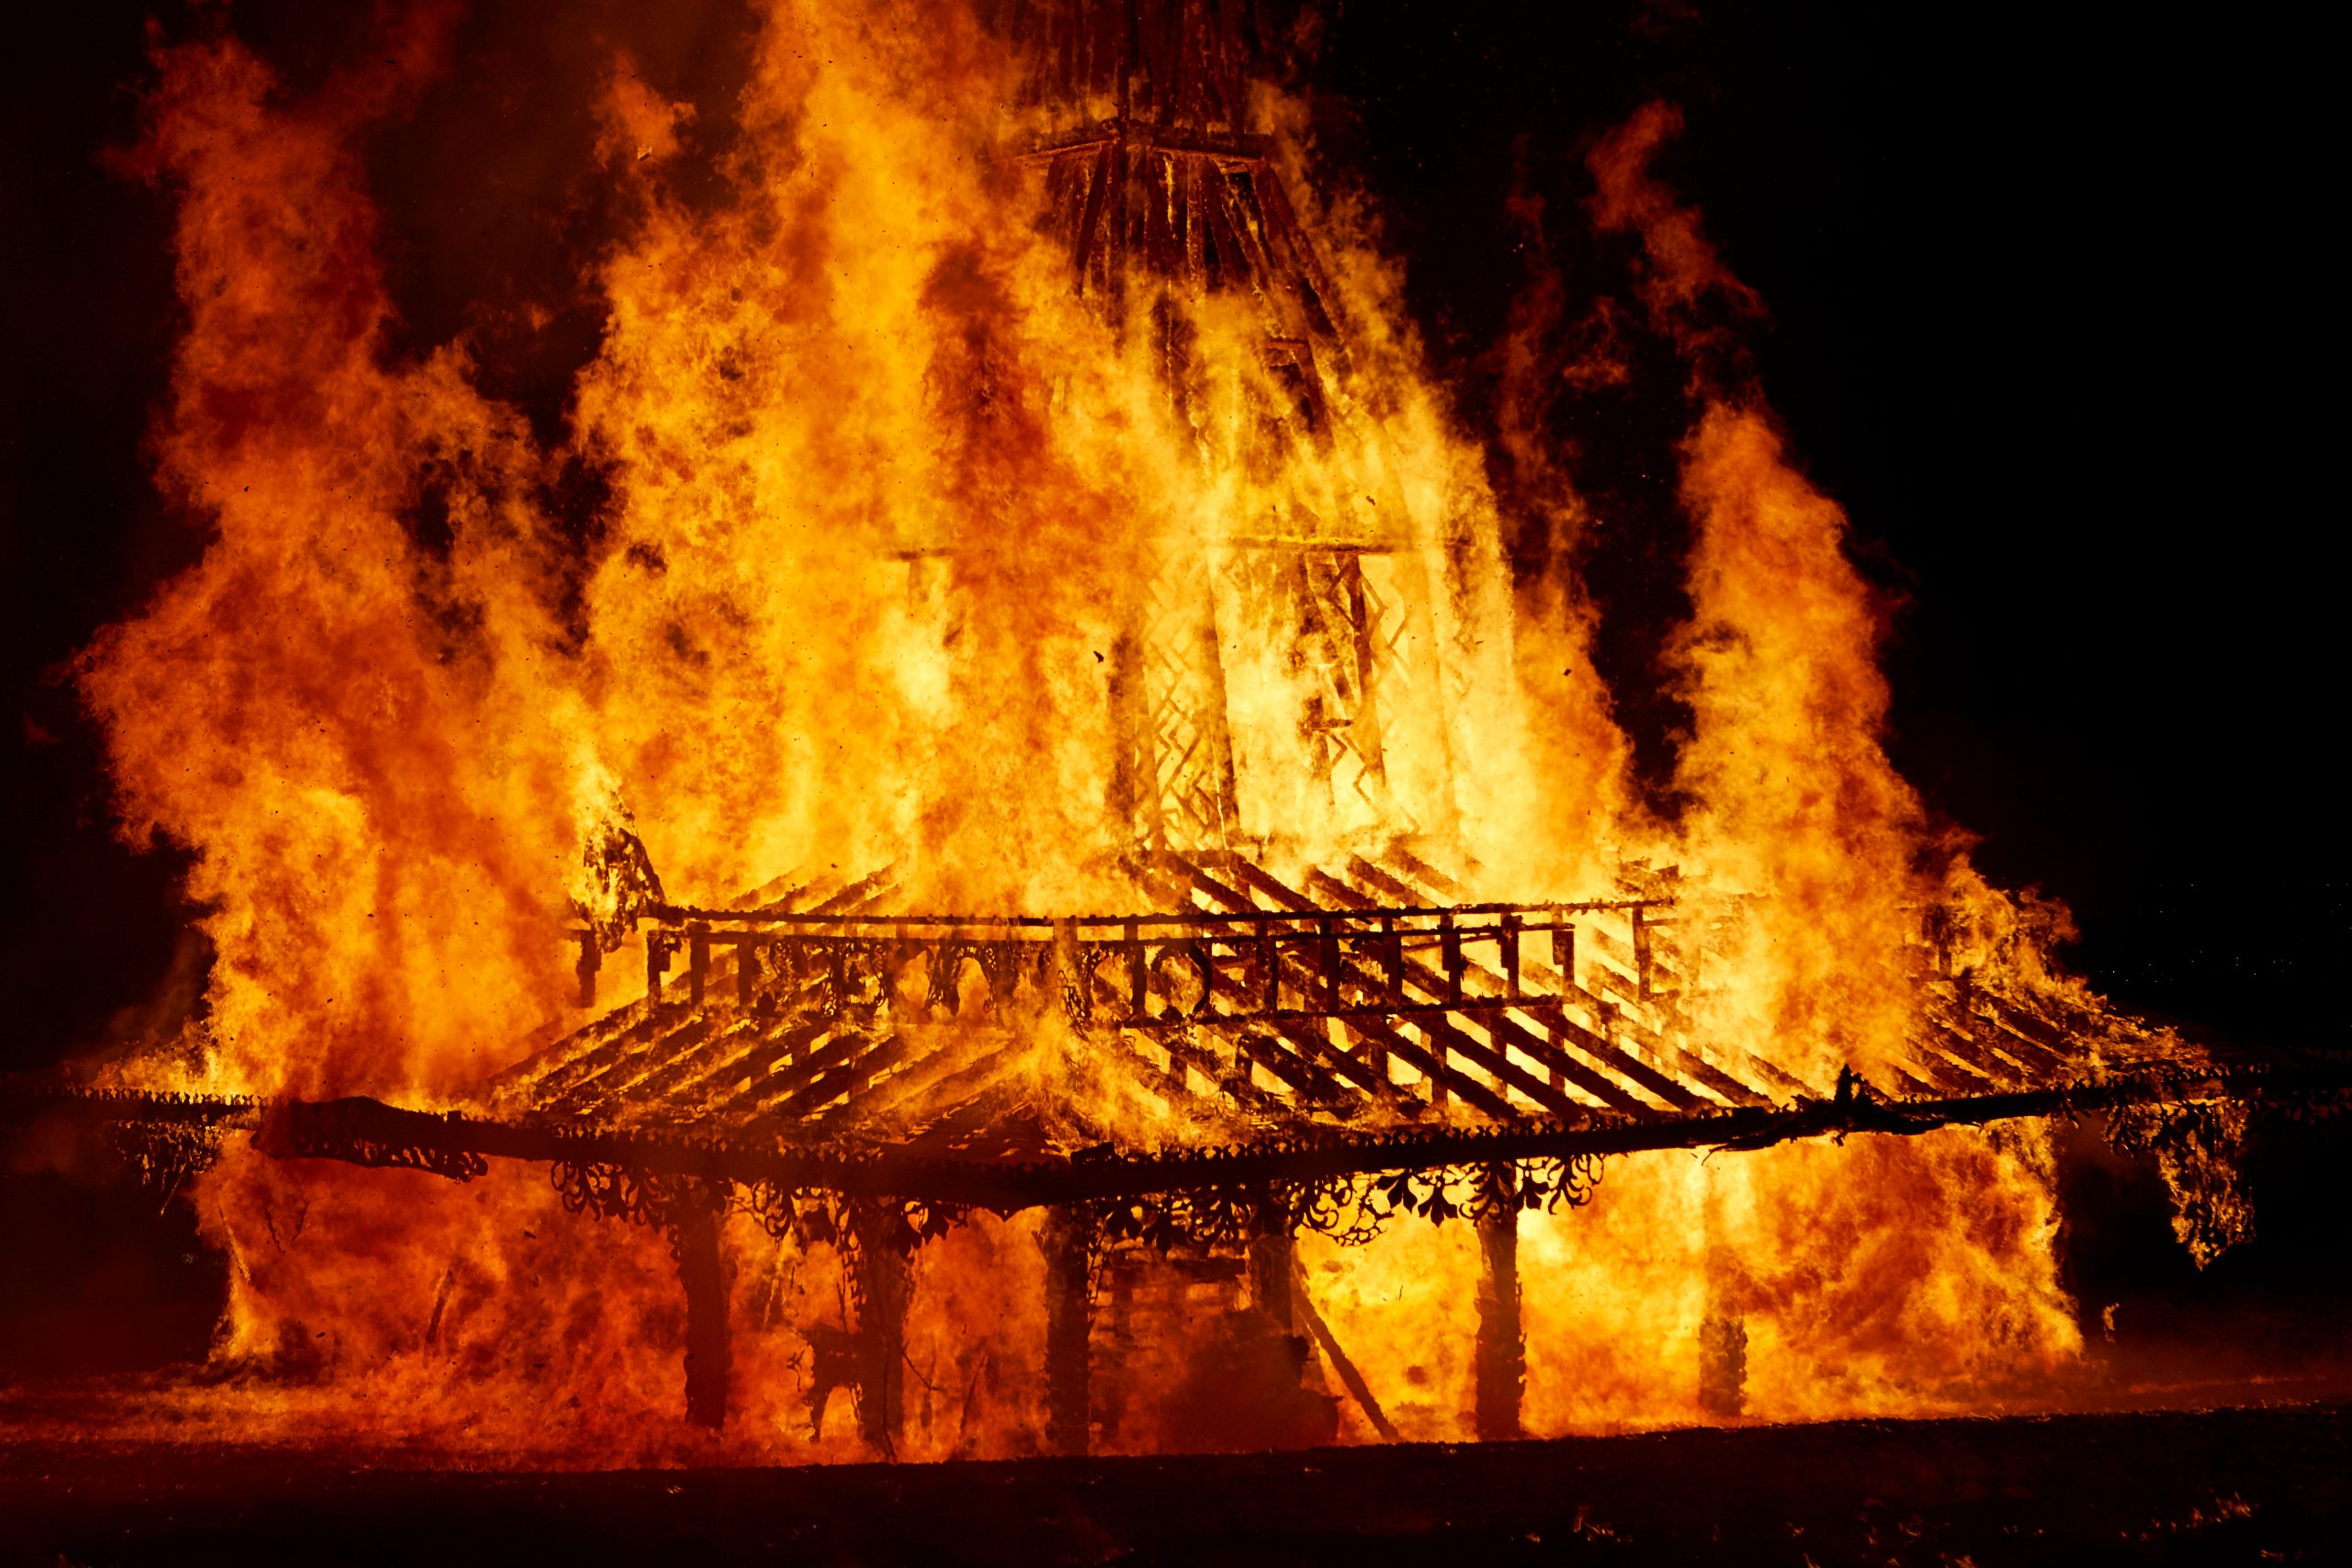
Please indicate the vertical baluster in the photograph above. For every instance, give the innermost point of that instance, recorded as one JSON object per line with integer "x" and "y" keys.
{"x": 657, "y": 963}
{"x": 1075, "y": 983}
{"x": 1564, "y": 959}
{"x": 1510, "y": 939}
{"x": 746, "y": 971}
{"x": 1449, "y": 940}
{"x": 1138, "y": 973}
{"x": 592, "y": 959}
{"x": 1329, "y": 947}
{"x": 697, "y": 963}
{"x": 1392, "y": 953}
{"x": 1270, "y": 957}
{"x": 1642, "y": 951}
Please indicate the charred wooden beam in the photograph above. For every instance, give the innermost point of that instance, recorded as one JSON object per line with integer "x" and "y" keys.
{"x": 1501, "y": 1370}
{"x": 1350, "y": 1378}
{"x": 1067, "y": 1242}
{"x": 697, "y": 963}
{"x": 884, "y": 1279}
{"x": 657, "y": 965}
{"x": 369, "y": 1131}
{"x": 1272, "y": 1259}
{"x": 709, "y": 1355}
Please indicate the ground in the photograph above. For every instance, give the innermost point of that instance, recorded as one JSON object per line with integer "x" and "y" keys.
{"x": 2255, "y": 1484}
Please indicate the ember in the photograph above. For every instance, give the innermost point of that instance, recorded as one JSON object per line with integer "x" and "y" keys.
{"x": 1037, "y": 882}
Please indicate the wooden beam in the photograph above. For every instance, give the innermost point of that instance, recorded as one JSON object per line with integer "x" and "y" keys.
{"x": 710, "y": 1356}
{"x": 1350, "y": 1378}
{"x": 1066, "y": 1241}
{"x": 1272, "y": 1263}
{"x": 884, "y": 1277}
{"x": 1501, "y": 1372}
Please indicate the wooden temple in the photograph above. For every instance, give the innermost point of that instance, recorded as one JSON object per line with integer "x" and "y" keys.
{"x": 1319, "y": 1049}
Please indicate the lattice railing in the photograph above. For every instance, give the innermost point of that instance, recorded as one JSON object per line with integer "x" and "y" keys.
{"x": 1137, "y": 970}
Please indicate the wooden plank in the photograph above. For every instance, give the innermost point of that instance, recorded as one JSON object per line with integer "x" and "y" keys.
{"x": 1622, "y": 1063}
{"x": 1442, "y": 889}
{"x": 1185, "y": 1054}
{"x": 827, "y": 1045}
{"x": 1625, "y": 961}
{"x": 1321, "y": 301}
{"x": 2028, "y": 1039}
{"x": 1340, "y": 894}
{"x": 1277, "y": 893}
{"x": 1497, "y": 1063}
{"x": 1419, "y": 973}
{"x": 1386, "y": 887}
{"x": 1962, "y": 1049}
{"x": 616, "y": 1078}
{"x": 923, "y": 1103}
{"x": 1307, "y": 1034}
{"x": 676, "y": 1079}
{"x": 1311, "y": 1083}
{"x": 1943, "y": 1075}
{"x": 1457, "y": 1084}
{"x": 1164, "y": 1084}
{"x": 1607, "y": 1090}
{"x": 845, "y": 1077}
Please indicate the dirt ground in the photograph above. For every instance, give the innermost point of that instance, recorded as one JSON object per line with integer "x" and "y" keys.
{"x": 2261, "y": 1484}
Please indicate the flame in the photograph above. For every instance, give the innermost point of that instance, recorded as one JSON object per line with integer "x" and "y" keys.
{"x": 405, "y": 684}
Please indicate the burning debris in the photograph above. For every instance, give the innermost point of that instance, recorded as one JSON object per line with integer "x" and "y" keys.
{"x": 1019, "y": 484}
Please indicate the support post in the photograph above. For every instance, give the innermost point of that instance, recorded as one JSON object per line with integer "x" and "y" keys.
{"x": 697, "y": 963}
{"x": 1139, "y": 975}
{"x": 1501, "y": 1346}
{"x": 592, "y": 959}
{"x": 1271, "y": 1266}
{"x": 1392, "y": 953}
{"x": 709, "y": 1355}
{"x": 1449, "y": 941}
{"x": 1067, "y": 1241}
{"x": 1642, "y": 951}
{"x": 1327, "y": 951}
{"x": 883, "y": 1277}
{"x": 657, "y": 963}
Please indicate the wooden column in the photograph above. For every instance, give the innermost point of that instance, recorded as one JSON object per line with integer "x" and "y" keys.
{"x": 697, "y": 963}
{"x": 883, "y": 1279}
{"x": 1502, "y": 1348}
{"x": 1070, "y": 1361}
{"x": 1270, "y": 1272}
{"x": 709, "y": 1355}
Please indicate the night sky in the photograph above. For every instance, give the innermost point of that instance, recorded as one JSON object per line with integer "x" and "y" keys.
{"x": 2037, "y": 315}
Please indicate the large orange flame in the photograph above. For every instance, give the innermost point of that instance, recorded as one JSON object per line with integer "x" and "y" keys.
{"x": 394, "y": 696}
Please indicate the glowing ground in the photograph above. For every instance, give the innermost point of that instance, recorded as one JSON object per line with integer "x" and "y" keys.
{"x": 2231, "y": 1486}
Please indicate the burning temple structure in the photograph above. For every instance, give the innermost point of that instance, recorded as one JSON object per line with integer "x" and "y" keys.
{"x": 1310, "y": 1002}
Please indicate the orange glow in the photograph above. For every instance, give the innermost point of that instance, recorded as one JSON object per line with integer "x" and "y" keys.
{"x": 388, "y": 742}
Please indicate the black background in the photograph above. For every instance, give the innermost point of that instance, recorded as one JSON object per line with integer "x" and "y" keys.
{"x": 2047, "y": 312}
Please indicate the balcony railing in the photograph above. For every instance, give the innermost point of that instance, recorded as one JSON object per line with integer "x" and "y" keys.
{"x": 1137, "y": 970}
